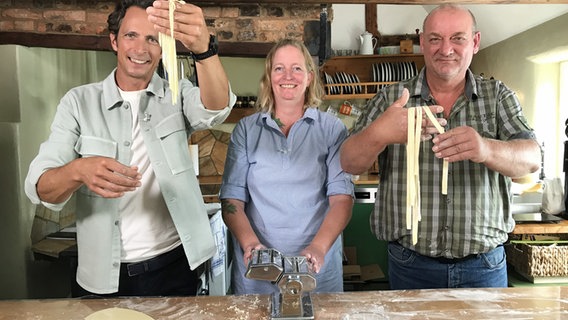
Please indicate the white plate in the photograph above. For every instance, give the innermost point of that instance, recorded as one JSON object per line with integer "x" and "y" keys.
{"x": 349, "y": 80}
{"x": 375, "y": 72}
{"x": 329, "y": 80}
{"x": 338, "y": 80}
{"x": 414, "y": 69}
{"x": 346, "y": 89}
{"x": 358, "y": 88}
{"x": 405, "y": 70}
{"x": 387, "y": 72}
{"x": 353, "y": 80}
{"x": 397, "y": 71}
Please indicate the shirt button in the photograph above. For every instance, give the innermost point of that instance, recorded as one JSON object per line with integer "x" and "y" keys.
{"x": 116, "y": 223}
{"x": 126, "y": 107}
{"x": 127, "y": 143}
{"x": 115, "y": 265}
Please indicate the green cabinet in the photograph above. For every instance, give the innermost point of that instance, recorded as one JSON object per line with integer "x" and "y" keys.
{"x": 358, "y": 232}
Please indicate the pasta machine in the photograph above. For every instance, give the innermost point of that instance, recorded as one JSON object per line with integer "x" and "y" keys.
{"x": 294, "y": 280}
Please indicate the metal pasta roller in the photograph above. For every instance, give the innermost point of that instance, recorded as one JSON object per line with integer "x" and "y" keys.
{"x": 293, "y": 278}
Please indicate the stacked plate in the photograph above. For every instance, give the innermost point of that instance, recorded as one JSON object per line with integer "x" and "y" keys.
{"x": 329, "y": 80}
{"x": 394, "y": 71}
{"x": 339, "y": 79}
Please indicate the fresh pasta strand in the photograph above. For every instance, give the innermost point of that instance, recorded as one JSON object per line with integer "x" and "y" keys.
{"x": 169, "y": 53}
{"x": 416, "y": 179}
{"x": 445, "y": 162}
{"x": 410, "y": 167}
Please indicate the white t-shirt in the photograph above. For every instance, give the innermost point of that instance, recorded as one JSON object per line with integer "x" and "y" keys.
{"x": 147, "y": 229}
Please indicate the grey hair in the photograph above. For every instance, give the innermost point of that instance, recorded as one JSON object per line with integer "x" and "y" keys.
{"x": 455, "y": 7}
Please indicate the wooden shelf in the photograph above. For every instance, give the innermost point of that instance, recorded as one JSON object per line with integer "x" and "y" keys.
{"x": 362, "y": 66}
{"x": 367, "y": 90}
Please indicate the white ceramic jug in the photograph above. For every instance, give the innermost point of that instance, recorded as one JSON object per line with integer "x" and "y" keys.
{"x": 368, "y": 43}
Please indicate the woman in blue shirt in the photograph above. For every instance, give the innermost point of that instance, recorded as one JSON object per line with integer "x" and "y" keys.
{"x": 283, "y": 186}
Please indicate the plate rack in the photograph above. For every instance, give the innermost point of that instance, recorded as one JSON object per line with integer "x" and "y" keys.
{"x": 361, "y": 67}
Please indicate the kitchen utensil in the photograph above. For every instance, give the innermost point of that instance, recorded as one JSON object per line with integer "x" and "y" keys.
{"x": 294, "y": 280}
{"x": 368, "y": 43}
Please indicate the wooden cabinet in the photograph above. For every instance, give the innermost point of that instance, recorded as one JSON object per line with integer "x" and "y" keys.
{"x": 362, "y": 66}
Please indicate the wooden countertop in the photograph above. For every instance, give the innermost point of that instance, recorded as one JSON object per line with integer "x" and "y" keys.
{"x": 367, "y": 178}
{"x": 505, "y": 303}
{"x": 541, "y": 228}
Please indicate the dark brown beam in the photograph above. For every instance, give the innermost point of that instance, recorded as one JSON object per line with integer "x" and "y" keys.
{"x": 371, "y": 20}
{"x": 102, "y": 43}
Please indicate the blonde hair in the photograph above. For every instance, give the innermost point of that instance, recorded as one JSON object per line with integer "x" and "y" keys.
{"x": 314, "y": 91}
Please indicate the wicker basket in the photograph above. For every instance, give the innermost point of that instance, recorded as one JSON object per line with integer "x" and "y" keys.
{"x": 539, "y": 259}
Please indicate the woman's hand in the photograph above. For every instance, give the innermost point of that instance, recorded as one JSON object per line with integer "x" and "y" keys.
{"x": 315, "y": 256}
{"x": 249, "y": 250}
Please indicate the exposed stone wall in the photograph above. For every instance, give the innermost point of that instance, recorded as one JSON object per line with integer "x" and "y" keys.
{"x": 231, "y": 23}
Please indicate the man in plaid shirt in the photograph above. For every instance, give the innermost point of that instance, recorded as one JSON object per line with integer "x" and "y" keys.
{"x": 487, "y": 141}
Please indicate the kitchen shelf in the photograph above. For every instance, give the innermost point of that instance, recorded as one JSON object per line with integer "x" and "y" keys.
{"x": 362, "y": 66}
{"x": 368, "y": 90}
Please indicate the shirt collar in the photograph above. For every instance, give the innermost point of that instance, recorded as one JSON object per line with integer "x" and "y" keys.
{"x": 421, "y": 89}
{"x": 111, "y": 95}
{"x": 310, "y": 115}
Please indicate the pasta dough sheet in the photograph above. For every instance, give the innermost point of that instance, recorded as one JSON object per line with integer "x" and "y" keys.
{"x": 118, "y": 314}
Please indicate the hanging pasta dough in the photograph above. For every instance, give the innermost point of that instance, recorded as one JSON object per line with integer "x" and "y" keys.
{"x": 169, "y": 54}
{"x": 414, "y": 133}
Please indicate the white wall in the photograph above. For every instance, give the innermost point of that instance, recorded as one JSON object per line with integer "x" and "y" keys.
{"x": 13, "y": 235}
{"x": 34, "y": 79}
{"x": 349, "y": 22}
{"x": 533, "y": 72}
{"x": 495, "y": 21}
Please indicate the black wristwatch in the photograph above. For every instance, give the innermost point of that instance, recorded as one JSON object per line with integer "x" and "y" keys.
{"x": 213, "y": 50}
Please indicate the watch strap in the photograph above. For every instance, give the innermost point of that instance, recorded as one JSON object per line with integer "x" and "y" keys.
{"x": 213, "y": 50}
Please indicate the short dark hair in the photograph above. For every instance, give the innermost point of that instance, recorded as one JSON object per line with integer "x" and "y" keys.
{"x": 115, "y": 18}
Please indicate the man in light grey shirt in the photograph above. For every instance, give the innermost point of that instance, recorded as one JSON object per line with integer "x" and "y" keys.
{"x": 121, "y": 146}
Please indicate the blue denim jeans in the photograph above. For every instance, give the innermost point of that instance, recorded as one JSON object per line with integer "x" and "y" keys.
{"x": 410, "y": 270}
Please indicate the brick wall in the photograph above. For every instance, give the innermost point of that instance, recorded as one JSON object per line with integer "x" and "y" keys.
{"x": 231, "y": 23}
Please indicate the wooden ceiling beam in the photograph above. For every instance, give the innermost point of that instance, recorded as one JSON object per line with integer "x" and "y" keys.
{"x": 102, "y": 43}
{"x": 371, "y": 20}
